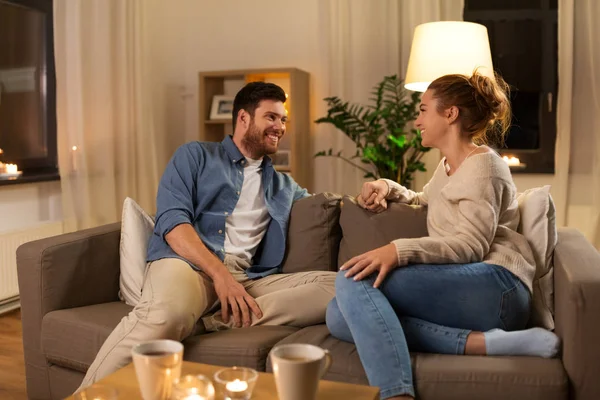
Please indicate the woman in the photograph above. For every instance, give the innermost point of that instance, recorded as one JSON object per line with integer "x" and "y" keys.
{"x": 464, "y": 289}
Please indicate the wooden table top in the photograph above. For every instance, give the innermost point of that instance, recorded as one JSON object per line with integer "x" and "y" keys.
{"x": 126, "y": 383}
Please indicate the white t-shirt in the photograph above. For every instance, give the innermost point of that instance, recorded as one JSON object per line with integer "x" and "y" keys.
{"x": 247, "y": 224}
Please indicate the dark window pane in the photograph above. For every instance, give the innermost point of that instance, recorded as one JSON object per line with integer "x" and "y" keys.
{"x": 477, "y": 5}
{"x": 22, "y": 77}
{"x": 517, "y": 52}
{"x": 524, "y": 132}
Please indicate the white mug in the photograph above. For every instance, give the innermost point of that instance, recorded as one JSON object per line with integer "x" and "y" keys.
{"x": 157, "y": 367}
{"x": 298, "y": 369}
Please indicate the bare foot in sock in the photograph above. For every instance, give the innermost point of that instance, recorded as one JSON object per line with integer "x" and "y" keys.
{"x": 530, "y": 342}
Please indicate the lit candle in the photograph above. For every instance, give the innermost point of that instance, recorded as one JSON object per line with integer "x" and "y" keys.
{"x": 513, "y": 161}
{"x": 194, "y": 397}
{"x": 236, "y": 386}
{"x": 193, "y": 387}
{"x": 74, "y": 158}
{"x": 11, "y": 168}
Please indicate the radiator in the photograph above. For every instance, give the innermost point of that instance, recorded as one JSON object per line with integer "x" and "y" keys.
{"x": 9, "y": 241}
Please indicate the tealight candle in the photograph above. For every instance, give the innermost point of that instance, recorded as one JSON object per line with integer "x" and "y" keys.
{"x": 193, "y": 387}
{"x": 512, "y": 160}
{"x": 235, "y": 383}
{"x": 11, "y": 168}
{"x": 236, "y": 386}
{"x": 194, "y": 397}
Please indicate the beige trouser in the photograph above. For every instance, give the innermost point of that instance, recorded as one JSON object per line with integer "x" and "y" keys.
{"x": 174, "y": 297}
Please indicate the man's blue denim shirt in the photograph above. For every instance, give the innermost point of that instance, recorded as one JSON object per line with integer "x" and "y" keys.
{"x": 200, "y": 187}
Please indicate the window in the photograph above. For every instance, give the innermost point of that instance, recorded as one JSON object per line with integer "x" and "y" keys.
{"x": 524, "y": 40}
{"x": 28, "y": 88}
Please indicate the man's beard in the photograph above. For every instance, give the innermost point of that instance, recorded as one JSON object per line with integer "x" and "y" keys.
{"x": 254, "y": 142}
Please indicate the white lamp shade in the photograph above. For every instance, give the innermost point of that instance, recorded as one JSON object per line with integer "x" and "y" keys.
{"x": 449, "y": 47}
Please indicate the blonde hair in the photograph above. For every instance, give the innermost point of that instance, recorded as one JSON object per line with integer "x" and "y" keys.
{"x": 484, "y": 106}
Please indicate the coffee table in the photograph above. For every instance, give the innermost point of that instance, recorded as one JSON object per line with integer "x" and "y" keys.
{"x": 126, "y": 383}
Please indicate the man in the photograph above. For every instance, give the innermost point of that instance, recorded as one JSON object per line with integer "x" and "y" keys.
{"x": 219, "y": 238}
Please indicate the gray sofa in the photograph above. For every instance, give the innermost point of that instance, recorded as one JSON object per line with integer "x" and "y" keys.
{"x": 69, "y": 295}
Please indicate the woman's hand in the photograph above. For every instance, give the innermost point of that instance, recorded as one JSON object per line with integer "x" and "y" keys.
{"x": 372, "y": 196}
{"x": 383, "y": 259}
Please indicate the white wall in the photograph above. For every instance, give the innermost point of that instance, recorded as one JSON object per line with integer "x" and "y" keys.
{"x": 25, "y": 205}
{"x": 189, "y": 36}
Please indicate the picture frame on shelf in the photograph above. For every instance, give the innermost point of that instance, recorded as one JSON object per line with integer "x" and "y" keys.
{"x": 222, "y": 107}
{"x": 282, "y": 160}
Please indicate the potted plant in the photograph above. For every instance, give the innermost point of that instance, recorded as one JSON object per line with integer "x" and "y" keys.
{"x": 385, "y": 146}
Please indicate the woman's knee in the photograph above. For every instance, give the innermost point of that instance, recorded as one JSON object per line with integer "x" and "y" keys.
{"x": 343, "y": 284}
{"x": 337, "y": 325}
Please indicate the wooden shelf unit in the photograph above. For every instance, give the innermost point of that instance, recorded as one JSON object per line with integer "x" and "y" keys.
{"x": 297, "y": 138}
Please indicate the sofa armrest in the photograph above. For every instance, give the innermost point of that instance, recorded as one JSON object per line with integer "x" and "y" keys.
{"x": 66, "y": 271}
{"x": 577, "y": 308}
{"x": 71, "y": 270}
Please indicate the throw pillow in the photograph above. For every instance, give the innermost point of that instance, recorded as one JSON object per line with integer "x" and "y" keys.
{"x": 136, "y": 228}
{"x": 363, "y": 230}
{"x": 314, "y": 234}
{"x": 538, "y": 225}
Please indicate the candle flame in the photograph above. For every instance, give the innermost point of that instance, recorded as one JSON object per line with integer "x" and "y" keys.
{"x": 512, "y": 160}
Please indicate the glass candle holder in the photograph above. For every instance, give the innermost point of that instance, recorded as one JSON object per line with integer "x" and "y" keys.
{"x": 193, "y": 387}
{"x": 97, "y": 392}
{"x": 235, "y": 383}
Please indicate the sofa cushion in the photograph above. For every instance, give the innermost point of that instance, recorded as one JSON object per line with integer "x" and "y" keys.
{"x": 363, "y": 230}
{"x": 345, "y": 366}
{"x": 314, "y": 234}
{"x": 246, "y": 347}
{"x": 71, "y": 338}
{"x": 136, "y": 229}
{"x": 445, "y": 377}
{"x": 538, "y": 225}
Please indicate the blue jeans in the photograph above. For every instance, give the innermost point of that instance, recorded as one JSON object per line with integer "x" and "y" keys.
{"x": 424, "y": 308}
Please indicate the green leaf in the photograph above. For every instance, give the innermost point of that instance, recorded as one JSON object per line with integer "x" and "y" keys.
{"x": 399, "y": 141}
{"x": 379, "y": 129}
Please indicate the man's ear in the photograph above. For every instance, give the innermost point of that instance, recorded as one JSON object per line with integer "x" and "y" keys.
{"x": 243, "y": 119}
{"x": 452, "y": 114}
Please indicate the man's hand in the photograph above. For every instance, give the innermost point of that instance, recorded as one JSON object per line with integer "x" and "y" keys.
{"x": 233, "y": 295}
{"x": 384, "y": 259}
{"x": 184, "y": 240}
{"x": 372, "y": 196}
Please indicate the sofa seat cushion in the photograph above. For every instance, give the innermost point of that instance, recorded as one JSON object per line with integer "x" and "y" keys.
{"x": 245, "y": 347}
{"x": 493, "y": 378}
{"x": 345, "y": 366}
{"x": 71, "y": 338}
{"x": 445, "y": 377}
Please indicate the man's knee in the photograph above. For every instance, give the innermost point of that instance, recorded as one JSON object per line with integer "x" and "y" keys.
{"x": 171, "y": 322}
{"x": 323, "y": 278}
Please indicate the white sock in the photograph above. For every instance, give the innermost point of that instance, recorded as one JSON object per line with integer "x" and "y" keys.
{"x": 530, "y": 342}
